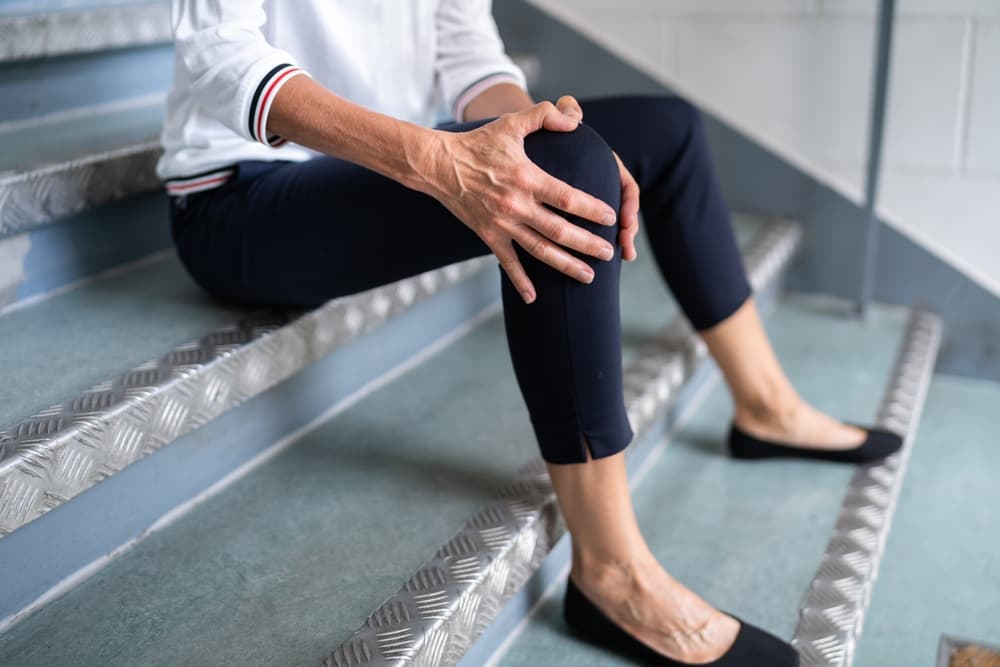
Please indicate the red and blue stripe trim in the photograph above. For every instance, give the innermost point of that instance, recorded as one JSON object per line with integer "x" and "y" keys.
{"x": 260, "y": 104}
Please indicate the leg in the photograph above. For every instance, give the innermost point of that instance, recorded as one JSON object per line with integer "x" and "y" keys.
{"x": 767, "y": 406}
{"x": 661, "y": 141}
{"x": 614, "y": 567}
{"x": 304, "y": 233}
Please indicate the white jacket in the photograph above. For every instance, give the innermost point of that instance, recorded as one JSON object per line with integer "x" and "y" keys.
{"x": 410, "y": 59}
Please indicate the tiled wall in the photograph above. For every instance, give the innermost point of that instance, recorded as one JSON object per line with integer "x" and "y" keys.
{"x": 796, "y": 75}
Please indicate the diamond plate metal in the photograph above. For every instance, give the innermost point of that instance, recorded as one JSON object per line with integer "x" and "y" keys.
{"x": 443, "y": 608}
{"x": 33, "y": 198}
{"x": 54, "y": 455}
{"x": 42, "y": 35}
{"x": 833, "y": 613}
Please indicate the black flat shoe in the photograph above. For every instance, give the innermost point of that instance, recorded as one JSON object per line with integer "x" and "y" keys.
{"x": 753, "y": 647}
{"x": 878, "y": 445}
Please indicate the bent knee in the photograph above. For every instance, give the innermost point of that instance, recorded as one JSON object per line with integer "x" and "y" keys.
{"x": 580, "y": 158}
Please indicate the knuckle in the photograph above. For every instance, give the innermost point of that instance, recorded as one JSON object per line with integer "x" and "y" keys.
{"x": 556, "y": 231}
{"x": 564, "y": 199}
{"x": 507, "y": 204}
{"x": 538, "y": 247}
{"x": 521, "y": 176}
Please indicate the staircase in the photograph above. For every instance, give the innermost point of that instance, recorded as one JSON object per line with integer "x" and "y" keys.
{"x": 183, "y": 482}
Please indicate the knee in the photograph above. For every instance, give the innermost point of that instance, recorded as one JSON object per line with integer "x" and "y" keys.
{"x": 580, "y": 158}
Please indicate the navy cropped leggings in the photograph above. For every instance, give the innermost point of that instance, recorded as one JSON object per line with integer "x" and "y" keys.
{"x": 298, "y": 234}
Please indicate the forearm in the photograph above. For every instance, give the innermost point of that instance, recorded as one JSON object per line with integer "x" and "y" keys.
{"x": 310, "y": 115}
{"x": 496, "y": 101}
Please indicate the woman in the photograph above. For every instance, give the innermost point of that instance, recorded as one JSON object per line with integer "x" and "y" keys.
{"x": 292, "y": 188}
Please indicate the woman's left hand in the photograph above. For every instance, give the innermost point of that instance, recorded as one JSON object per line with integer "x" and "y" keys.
{"x": 628, "y": 216}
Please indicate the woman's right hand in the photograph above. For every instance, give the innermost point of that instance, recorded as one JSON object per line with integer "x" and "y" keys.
{"x": 487, "y": 181}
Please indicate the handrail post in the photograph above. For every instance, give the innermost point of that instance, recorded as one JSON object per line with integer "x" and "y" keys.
{"x": 880, "y": 85}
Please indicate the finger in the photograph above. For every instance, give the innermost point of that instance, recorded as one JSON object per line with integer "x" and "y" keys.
{"x": 543, "y": 114}
{"x": 568, "y": 199}
{"x": 568, "y": 105}
{"x": 627, "y": 239}
{"x": 559, "y": 230}
{"x": 629, "y": 212}
{"x": 515, "y": 271}
{"x": 546, "y": 251}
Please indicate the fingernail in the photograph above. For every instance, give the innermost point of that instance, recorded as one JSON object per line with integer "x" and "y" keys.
{"x": 607, "y": 252}
{"x": 609, "y": 218}
{"x": 528, "y": 297}
{"x": 585, "y": 276}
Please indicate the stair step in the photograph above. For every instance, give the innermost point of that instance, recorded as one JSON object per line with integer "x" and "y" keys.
{"x": 86, "y": 336}
{"x": 47, "y": 29}
{"x": 749, "y": 536}
{"x": 939, "y": 573}
{"x": 451, "y": 431}
{"x": 110, "y": 439}
{"x": 70, "y": 161}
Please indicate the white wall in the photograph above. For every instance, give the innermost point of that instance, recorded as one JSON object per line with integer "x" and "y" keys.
{"x": 796, "y": 75}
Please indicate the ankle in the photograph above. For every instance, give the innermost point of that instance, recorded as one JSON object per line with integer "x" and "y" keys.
{"x": 601, "y": 573}
{"x": 776, "y": 410}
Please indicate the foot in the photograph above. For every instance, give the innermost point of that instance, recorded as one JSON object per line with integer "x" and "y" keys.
{"x": 798, "y": 424}
{"x": 647, "y": 603}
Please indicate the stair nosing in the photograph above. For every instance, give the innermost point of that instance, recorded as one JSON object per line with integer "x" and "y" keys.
{"x": 832, "y": 614}
{"x": 54, "y": 455}
{"x": 46, "y": 34}
{"x": 443, "y": 608}
{"x": 44, "y": 193}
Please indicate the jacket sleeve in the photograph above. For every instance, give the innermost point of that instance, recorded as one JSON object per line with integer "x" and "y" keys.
{"x": 470, "y": 57}
{"x": 233, "y": 72}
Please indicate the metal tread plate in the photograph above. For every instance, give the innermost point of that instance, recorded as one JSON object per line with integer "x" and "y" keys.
{"x": 56, "y": 454}
{"x": 833, "y": 612}
{"x": 37, "y": 196}
{"x": 443, "y": 608}
{"x": 56, "y": 33}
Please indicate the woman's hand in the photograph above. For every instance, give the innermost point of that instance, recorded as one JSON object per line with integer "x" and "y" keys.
{"x": 628, "y": 218}
{"x": 487, "y": 181}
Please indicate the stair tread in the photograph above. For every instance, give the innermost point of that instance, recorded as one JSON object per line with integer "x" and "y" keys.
{"x": 947, "y": 513}
{"x": 68, "y": 137}
{"x": 91, "y": 333}
{"x": 364, "y": 500}
{"x": 748, "y": 536}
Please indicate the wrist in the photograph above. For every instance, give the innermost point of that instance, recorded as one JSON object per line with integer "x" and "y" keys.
{"x": 424, "y": 153}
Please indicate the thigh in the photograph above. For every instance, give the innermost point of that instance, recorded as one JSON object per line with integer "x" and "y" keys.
{"x": 647, "y": 132}
{"x": 303, "y": 233}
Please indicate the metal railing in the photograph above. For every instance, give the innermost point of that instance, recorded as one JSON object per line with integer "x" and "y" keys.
{"x": 876, "y": 131}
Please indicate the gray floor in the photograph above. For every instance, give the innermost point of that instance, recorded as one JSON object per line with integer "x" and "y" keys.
{"x": 748, "y": 536}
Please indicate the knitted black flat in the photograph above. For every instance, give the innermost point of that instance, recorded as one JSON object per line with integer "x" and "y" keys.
{"x": 877, "y": 445}
{"x": 753, "y": 647}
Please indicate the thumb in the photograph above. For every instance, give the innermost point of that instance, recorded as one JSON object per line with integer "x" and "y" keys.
{"x": 545, "y": 115}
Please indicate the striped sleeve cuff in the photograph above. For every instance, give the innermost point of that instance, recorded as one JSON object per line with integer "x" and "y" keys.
{"x": 476, "y": 88}
{"x": 263, "y": 97}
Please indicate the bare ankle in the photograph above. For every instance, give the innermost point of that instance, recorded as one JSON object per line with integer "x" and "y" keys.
{"x": 777, "y": 409}
{"x": 597, "y": 568}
